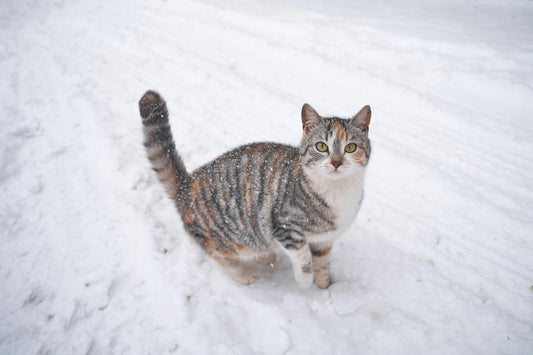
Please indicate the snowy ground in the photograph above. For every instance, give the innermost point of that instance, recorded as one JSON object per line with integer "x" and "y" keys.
{"x": 93, "y": 258}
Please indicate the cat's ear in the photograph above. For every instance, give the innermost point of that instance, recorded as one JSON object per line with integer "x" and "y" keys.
{"x": 362, "y": 118}
{"x": 309, "y": 117}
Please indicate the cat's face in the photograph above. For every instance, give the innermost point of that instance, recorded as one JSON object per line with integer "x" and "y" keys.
{"x": 335, "y": 148}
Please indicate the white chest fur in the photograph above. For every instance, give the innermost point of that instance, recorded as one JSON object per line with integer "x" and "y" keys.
{"x": 345, "y": 204}
{"x": 344, "y": 196}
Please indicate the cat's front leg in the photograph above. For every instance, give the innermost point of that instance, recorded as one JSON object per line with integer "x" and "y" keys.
{"x": 320, "y": 253}
{"x": 302, "y": 265}
{"x": 300, "y": 255}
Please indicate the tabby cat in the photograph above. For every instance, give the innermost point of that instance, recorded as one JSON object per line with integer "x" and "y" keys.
{"x": 261, "y": 196}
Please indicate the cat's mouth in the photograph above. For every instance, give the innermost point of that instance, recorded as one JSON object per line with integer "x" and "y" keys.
{"x": 335, "y": 174}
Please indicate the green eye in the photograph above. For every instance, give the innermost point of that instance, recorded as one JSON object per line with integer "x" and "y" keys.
{"x": 350, "y": 148}
{"x": 322, "y": 147}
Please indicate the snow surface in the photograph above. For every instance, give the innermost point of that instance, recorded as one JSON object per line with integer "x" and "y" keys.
{"x": 94, "y": 260}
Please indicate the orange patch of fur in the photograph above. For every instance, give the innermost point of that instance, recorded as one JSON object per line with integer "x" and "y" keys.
{"x": 360, "y": 156}
{"x": 195, "y": 188}
{"x": 187, "y": 216}
{"x": 341, "y": 132}
{"x": 296, "y": 170}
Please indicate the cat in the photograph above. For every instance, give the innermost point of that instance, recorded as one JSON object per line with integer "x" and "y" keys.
{"x": 261, "y": 196}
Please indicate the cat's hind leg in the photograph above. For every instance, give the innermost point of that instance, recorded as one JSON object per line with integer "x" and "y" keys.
{"x": 238, "y": 270}
{"x": 266, "y": 259}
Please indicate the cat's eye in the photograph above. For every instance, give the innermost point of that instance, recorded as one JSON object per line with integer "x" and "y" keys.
{"x": 350, "y": 148}
{"x": 322, "y": 147}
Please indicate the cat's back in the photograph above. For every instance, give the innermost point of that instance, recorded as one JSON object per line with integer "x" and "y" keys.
{"x": 249, "y": 175}
{"x": 250, "y": 161}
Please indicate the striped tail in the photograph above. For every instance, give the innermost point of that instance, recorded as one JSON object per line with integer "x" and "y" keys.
{"x": 160, "y": 147}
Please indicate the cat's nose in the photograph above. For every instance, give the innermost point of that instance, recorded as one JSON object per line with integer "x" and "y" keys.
{"x": 336, "y": 164}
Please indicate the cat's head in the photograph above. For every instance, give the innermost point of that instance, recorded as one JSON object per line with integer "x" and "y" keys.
{"x": 333, "y": 147}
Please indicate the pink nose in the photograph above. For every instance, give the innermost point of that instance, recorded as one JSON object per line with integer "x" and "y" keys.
{"x": 336, "y": 164}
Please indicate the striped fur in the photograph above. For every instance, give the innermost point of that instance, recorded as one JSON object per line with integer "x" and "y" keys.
{"x": 160, "y": 147}
{"x": 259, "y": 196}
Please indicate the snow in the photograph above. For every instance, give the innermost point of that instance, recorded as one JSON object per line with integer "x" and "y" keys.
{"x": 94, "y": 259}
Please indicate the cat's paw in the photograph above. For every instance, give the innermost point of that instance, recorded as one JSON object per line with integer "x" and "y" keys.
{"x": 245, "y": 277}
{"x": 304, "y": 279}
{"x": 150, "y": 101}
{"x": 323, "y": 282}
{"x": 238, "y": 271}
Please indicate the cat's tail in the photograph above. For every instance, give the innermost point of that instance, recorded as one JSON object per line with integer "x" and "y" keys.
{"x": 160, "y": 147}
